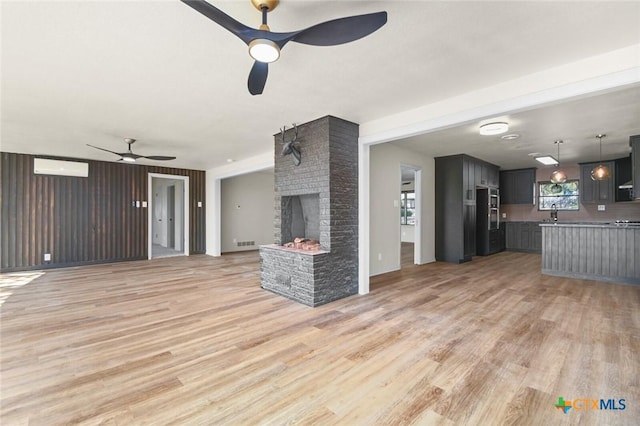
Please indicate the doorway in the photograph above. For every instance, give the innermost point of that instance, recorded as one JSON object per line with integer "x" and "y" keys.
{"x": 410, "y": 210}
{"x": 168, "y": 215}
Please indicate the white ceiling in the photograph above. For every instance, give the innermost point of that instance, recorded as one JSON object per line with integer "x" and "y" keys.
{"x": 99, "y": 71}
{"x": 615, "y": 114}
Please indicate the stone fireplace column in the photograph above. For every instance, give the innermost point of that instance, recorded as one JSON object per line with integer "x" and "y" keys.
{"x": 318, "y": 198}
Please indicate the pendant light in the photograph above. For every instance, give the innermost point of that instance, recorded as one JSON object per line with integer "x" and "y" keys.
{"x": 558, "y": 175}
{"x": 600, "y": 172}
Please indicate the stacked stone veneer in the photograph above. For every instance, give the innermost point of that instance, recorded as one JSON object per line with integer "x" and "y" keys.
{"x": 329, "y": 168}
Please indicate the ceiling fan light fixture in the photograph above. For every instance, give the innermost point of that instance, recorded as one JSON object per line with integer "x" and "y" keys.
{"x": 129, "y": 159}
{"x": 495, "y": 128}
{"x": 263, "y": 50}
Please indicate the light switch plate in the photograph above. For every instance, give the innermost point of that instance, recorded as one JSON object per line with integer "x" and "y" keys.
{"x": 144, "y": 204}
{"x": 601, "y": 207}
{"x": 199, "y": 203}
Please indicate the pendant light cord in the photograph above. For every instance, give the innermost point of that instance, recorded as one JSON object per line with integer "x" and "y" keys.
{"x": 600, "y": 136}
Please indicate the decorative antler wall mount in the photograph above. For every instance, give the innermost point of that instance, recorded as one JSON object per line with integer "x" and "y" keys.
{"x": 290, "y": 147}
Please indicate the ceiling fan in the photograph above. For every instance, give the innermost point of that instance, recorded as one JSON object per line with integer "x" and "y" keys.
{"x": 265, "y": 45}
{"x": 130, "y": 156}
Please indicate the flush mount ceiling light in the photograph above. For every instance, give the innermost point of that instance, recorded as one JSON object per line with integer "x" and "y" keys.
{"x": 600, "y": 172}
{"x": 547, "y": 160}
{"x": 558, "y": 176}
{"x": 494, "y": 128}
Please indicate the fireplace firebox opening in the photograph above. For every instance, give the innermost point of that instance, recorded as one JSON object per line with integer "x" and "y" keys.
{"x": 300, "y": 215}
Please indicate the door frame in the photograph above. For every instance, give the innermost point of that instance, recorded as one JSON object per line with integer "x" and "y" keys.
{"x": 417, "y": 189}
{"x": 150, "y": 198}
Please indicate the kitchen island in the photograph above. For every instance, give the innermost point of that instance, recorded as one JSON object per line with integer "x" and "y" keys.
{"x": 597, "y": 251}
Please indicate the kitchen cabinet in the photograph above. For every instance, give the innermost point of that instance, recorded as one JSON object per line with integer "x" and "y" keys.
{"x": 623, "y": 174}
{"x": 634, "y": 141}
{"x": 457, "y": 177}
{"x": 517, "y": 186}
{"x": 597, "y": 191}
{"x": 523, "y": 236}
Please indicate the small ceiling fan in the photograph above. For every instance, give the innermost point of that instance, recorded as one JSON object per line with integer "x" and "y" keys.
{"x": 129, "y": 156}
{"x": 265, "y": 45}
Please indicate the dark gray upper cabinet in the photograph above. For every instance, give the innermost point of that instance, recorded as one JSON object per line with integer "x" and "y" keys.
{"x": 516, "y": 186}
{"x": 634, "y": 141}
{"x": 597, "y": 191}
{"x": 623, "y": 174}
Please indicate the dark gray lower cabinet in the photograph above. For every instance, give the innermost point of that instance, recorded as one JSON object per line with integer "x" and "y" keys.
{"x": 523, "y": 236}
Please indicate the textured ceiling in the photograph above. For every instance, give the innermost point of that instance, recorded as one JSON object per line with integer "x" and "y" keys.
{"x": 99, "y": 71}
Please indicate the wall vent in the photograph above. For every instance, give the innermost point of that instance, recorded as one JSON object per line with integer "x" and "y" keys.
{"x": 246, "y": 243}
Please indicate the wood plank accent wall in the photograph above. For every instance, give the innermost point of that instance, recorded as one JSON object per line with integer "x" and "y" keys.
{"x": 83, "y": 220}
{"x": 608, "y": 253}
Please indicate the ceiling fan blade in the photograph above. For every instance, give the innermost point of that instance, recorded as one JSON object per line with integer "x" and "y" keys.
{"x": 159, "y": 157}
{"x": 102, "y": 149}
{"x": 258, "y": 77}
{"x": 245, "y": 33}
{"x": 342, "y": 30}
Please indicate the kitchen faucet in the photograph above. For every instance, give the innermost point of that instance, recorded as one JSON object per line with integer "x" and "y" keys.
{"x": 554, "y": 212}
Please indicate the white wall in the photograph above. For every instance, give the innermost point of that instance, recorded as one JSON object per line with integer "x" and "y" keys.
{"x": 247, "y": 210}
{"x": 407, "y": 233}
{"x": 384, "y": 222}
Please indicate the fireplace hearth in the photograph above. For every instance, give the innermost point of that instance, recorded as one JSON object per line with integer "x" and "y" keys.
{"x": 314, "y": 258}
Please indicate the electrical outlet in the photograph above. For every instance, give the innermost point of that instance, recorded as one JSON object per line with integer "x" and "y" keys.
{"x": 379, "y": 256}
{"x": 235, "y": 240}
{"x": 601, "y": 207}
{"x": 199, "y": 203}
{"x": 47, "y": 257}
{"x": 504, "y": 215}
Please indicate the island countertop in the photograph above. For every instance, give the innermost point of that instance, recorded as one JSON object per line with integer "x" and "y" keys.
{"x": 597, "y": 251}
{"x": 592, "y": 224}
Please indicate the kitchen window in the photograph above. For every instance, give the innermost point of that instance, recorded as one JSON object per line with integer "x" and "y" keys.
{"x": 408, "y": 208}
{"x": 565, "y": 196}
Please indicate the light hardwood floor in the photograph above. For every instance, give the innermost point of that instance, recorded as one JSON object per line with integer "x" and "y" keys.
{"x": 194, "y": 340}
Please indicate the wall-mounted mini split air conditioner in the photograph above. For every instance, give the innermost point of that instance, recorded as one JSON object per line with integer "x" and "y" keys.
{"x": 44, "y": 166}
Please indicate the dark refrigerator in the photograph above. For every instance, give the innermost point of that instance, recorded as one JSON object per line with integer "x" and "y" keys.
{"x": 487, "y": 221}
